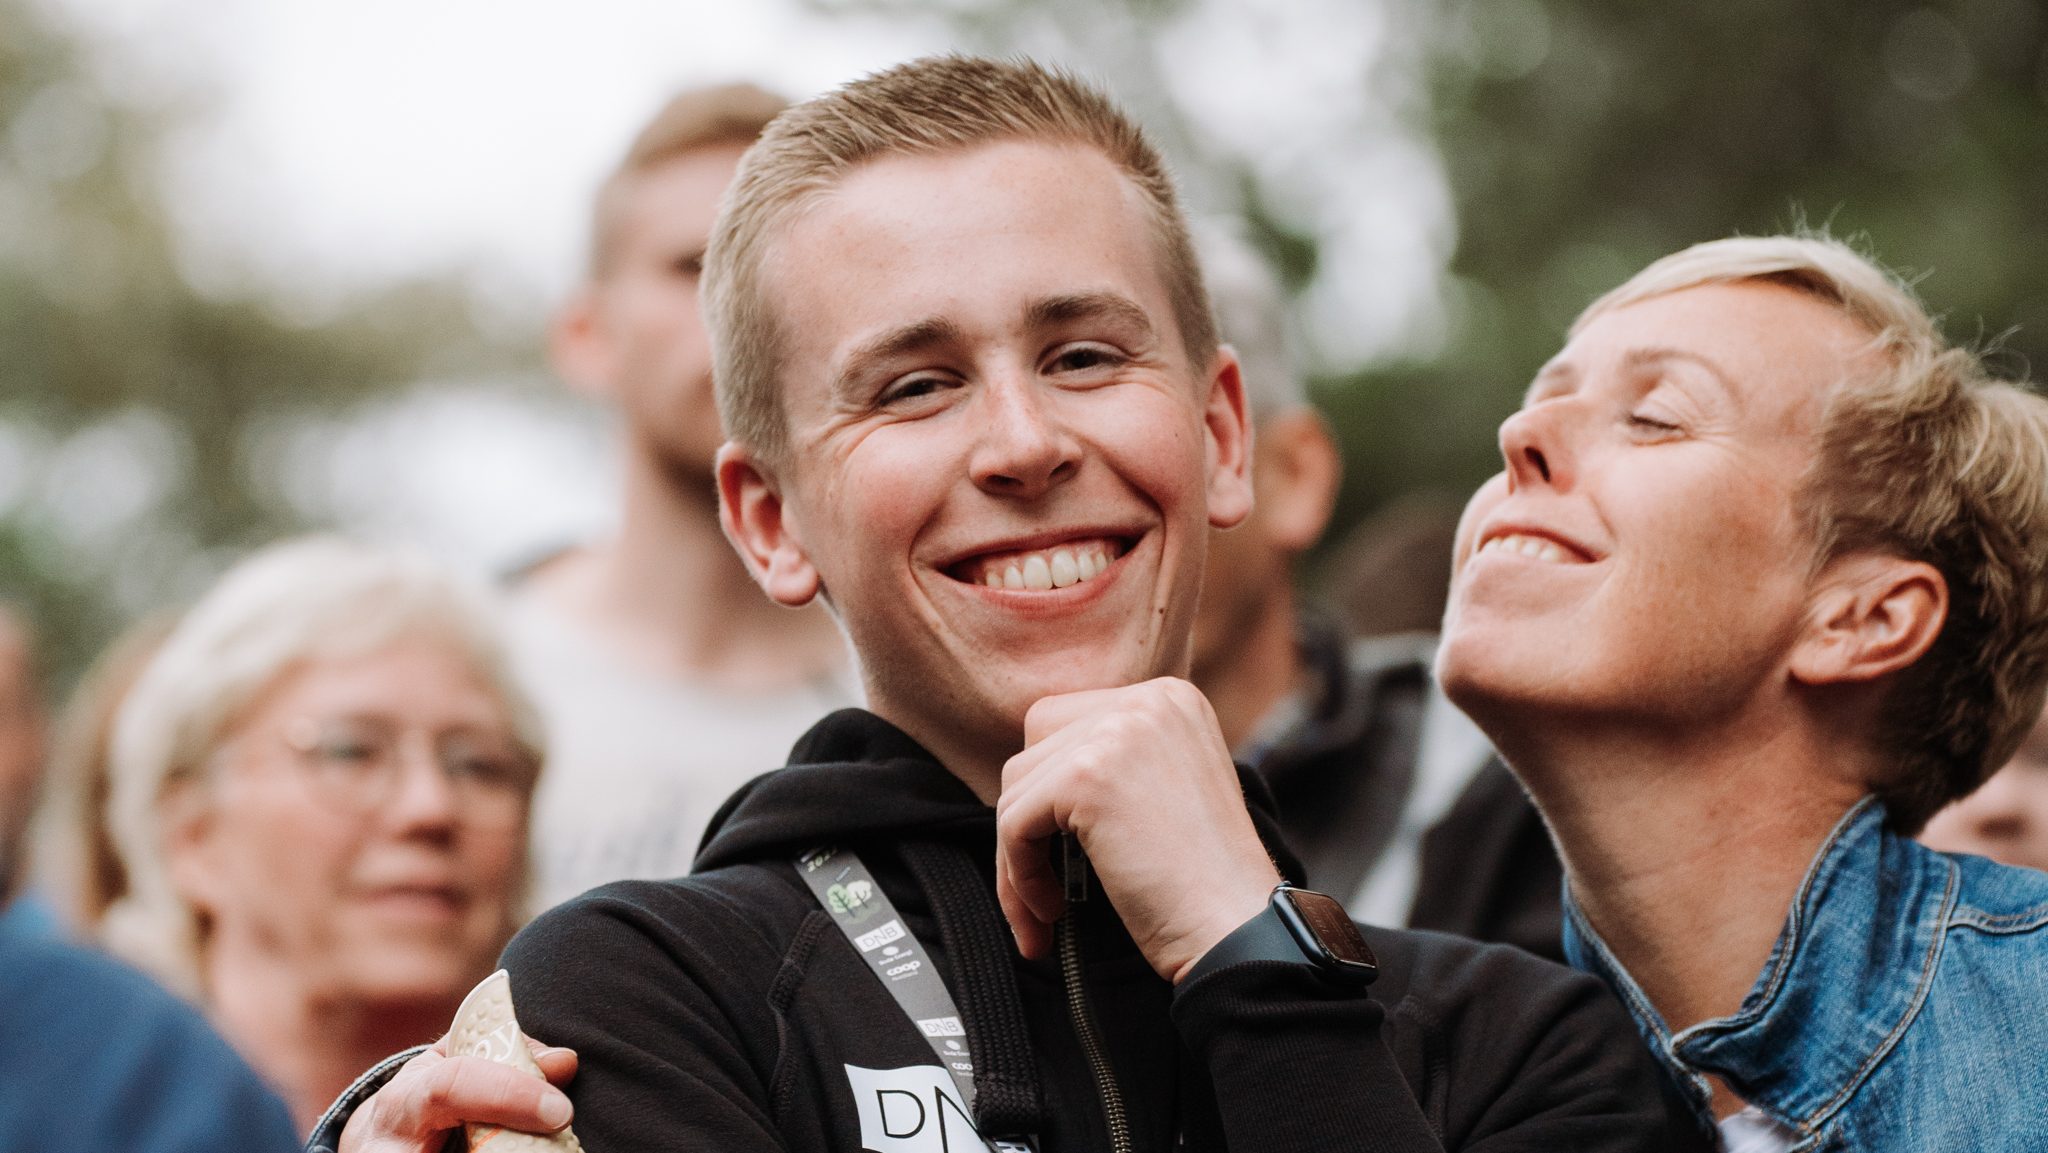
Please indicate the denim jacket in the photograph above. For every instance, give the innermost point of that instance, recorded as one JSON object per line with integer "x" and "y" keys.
{"x": 1904, "y": 1006}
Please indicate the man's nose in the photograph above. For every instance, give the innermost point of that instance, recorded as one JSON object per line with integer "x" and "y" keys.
{"x": 1025, "y": 449}
{"x": 1533, "y": 443}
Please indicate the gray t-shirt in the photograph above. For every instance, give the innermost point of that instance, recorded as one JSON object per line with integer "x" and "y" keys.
{"x": 637, "y": 763}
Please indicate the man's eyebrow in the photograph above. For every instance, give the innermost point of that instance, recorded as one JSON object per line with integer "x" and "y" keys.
{"x": 1088, "y": 306}
{"x": 913, "y": 337}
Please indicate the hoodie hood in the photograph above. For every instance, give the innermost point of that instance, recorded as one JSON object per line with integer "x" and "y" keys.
{"x": 855, "y": 776}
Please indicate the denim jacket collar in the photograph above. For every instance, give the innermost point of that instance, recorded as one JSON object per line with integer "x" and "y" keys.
{"x": 1843, "y": 981}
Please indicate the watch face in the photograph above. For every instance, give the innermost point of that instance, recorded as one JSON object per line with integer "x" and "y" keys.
{"x": 1332, "y": 928}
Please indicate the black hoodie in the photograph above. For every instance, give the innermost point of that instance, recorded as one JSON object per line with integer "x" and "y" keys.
{"x": 726, "y": 1011}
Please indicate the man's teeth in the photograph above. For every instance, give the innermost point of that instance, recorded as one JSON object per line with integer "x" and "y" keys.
{"x": 1047, "y": 568}
{"x": 1534, "y": 547}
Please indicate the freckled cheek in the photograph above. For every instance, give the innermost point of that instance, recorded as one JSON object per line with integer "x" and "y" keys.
{"x": 1717, "y": 556}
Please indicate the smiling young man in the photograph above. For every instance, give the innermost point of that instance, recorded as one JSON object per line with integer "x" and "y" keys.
{"x": 1763, "y": 586}
{"x": 977, "y": 405}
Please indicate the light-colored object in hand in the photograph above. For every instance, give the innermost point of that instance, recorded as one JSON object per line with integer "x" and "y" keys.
{"x": 485, "y": 1027}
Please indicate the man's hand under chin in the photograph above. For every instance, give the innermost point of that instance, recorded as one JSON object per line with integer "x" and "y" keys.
{"x": 433, "y": 1094}
{"x": 1142, "y": 776}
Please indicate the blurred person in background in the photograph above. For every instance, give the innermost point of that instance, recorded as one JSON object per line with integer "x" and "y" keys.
{"x": 1391, "y": 572}
{"x": 320, "y": 793}
{"x": 666, "y": 679}
{"x": 1760, "y": 590}
{"x": 93, "y": 1056}
{"x": 2006, "y": 819}
{"x": 76, "y": 862}
{"x": 22, "y": 744}
{"x": 1394, "y": 800}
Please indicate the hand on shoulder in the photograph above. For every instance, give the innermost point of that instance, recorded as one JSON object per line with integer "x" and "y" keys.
{"x": 433, "y": 1094}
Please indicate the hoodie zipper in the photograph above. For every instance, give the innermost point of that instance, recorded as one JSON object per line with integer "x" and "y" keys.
{"x": 1090, "y": 1033}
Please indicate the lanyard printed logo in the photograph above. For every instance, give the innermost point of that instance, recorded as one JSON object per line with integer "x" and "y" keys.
{"x": 921, "y": 1108}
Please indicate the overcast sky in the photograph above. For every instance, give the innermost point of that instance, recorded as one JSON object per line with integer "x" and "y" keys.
{"x": 344, "y": 142}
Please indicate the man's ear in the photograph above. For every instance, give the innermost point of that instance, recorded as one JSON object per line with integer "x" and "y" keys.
{"x": 1228, "y": 429}
{"x": 1297, "y": 468}
{"x": 758, "y": 524}
{"x": 1872, "y": 616}
{"x": 579, "y": 347}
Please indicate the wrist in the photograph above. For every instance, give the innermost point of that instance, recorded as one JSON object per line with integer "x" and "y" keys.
{"x": 1224, "y": 916}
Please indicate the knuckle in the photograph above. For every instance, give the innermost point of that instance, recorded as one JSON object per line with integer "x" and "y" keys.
{"x": 1007, "y": 821}
{"x": 1086, "y": 770}
{"x": 1120, "y": 727}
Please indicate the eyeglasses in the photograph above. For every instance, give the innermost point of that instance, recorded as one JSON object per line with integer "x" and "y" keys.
{"x": 357, "y": 763}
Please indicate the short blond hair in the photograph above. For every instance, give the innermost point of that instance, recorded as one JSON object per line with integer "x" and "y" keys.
{"x": 1930, "y": 458}
{"x": 933, "y": 105}
{"x": 718, "y": 116}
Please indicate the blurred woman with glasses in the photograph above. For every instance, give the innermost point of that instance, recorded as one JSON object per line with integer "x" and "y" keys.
{"x": 320, "y": 794}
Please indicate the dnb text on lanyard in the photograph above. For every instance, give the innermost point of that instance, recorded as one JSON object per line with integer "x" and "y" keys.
{"x": 843, "y": 885}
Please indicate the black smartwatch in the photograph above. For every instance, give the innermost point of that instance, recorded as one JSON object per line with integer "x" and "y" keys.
{"x": 1300, "y": 927}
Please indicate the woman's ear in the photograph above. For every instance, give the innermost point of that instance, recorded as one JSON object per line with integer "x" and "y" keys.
{"x": 1229, "y": 431}
{"x": 759, "y": 524}
{"x": 190, "y": 845}
{"x": 1872, "y": 616}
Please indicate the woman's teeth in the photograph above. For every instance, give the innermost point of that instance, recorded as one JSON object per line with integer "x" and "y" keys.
{"x": 1044, "y": 569}
{"x": 1534, "y": 547}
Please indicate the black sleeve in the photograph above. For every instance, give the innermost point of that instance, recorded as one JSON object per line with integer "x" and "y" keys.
{"x": 1298, "y": 1063}
{"x": 1488, "y": 1051}
{"x": 668, "y": 1025}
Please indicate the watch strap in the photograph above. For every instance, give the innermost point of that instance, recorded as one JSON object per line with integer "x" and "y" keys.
{"x": 1265, "y": 937}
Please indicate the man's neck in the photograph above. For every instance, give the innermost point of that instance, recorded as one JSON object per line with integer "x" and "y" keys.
{"x": 1693, "y": 911}
{"x": 1248, "y": 676}
{"x": 308, "y": 1048}
{"x": 671, "y": 596}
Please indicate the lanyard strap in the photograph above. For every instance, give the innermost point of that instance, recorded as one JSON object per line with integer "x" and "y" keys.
{"x": 865, "y": 914}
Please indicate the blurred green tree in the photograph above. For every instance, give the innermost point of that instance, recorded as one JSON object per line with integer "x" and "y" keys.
{"x": 138, "y": 413}
{"x": 1585, "y": 138}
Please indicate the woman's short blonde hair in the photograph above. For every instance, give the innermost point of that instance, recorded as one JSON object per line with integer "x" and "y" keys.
{"x": 1927, "y": 457}
{"x": 934, "y": 105}
{"x": 314, "y": 598}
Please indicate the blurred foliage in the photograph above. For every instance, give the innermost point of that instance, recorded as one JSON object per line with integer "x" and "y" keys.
{"x": 1585, "y": 138}
{"x": 1582, "y": 139}
{"x": 144, "y": 418}
{"x": 141, "y": 416}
